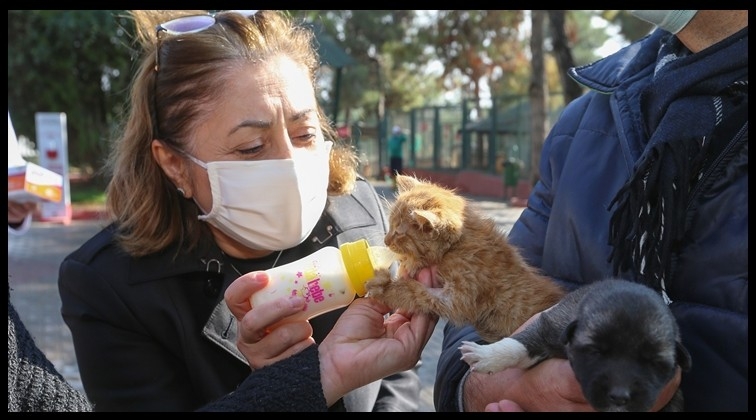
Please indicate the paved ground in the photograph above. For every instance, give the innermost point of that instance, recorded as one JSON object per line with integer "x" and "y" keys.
{"x": 33, "y": 261}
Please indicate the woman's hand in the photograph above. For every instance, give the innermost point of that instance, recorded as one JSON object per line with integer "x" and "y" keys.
{"x": 257, "y": 340}
{"x": 365, "y": 346}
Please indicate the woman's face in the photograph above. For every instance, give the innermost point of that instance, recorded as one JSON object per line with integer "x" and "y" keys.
{"x": 266, "y": 110}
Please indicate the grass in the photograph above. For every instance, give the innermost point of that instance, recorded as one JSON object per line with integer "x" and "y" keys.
{"x": 87, "y": 192}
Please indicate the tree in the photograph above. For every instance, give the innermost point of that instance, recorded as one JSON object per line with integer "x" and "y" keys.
{"x": 537, "y": 92}
{"x": 569, "y": 32}
{"x": 73, "y": 61}
{"x": 473, "y": 45}
{"x": 630, "y": 27}
{"x": 563, "y": 53}
{"x": 80, "y": 62}
{"x": 390, "y": 62}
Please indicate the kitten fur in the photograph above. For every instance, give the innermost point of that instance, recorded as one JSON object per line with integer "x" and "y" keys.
{"x": 486, "y": 283}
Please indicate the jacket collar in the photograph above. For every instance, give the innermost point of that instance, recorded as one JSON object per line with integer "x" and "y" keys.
{"x": 607, "y": 74}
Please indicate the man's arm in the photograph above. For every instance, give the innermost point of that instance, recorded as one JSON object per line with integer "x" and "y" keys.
{"x": 451, "y": 368}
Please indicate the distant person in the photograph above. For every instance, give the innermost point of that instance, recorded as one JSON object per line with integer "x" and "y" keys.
{"x": 396, "y": 153}
{"x": 19, "y": 213}
{"x": 227, "y": 164}
{"x": 512, "y": 169}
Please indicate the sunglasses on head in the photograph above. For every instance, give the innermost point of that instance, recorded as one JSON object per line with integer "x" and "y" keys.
{"x": 194, "y": 23}
{"x": 182, "y": 26}
{"x": 189, "y": 25}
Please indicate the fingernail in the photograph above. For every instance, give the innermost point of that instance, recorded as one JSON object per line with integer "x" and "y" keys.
{"x": 259, "y": 278}
{"x": 296, "y": 301}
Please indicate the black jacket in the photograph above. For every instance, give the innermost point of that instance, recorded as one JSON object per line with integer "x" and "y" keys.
{"x": 154, "y": 333}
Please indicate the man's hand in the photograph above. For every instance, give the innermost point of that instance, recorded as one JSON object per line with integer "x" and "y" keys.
{"x": 548, "y": 386}
{"x": 17, "y": 211}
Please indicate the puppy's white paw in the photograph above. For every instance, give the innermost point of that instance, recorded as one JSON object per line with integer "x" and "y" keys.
{"x": 471, "y": 352}
{"x": 494, "y": 357}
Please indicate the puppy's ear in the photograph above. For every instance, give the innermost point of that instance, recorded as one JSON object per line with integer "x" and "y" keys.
{"x": 683, "y": 357}
{"x": 568, "y": 332}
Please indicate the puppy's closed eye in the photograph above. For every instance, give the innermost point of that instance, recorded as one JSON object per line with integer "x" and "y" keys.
{"x": 591, "y": 350}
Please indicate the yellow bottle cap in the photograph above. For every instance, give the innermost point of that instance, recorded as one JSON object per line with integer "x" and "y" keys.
{"x": 358, "y": 264}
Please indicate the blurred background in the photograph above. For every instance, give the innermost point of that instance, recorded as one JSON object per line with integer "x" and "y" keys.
{"x": 472, "y": 89}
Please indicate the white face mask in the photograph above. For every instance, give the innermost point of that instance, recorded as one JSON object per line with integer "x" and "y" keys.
{"x": 670, "y": 20}
{"x": 269, "y": 204}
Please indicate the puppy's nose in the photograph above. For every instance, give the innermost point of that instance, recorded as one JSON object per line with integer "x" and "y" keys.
{"x": 619, "y": 396}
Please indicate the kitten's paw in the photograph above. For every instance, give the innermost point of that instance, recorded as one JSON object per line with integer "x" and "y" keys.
{"x": 378, "y": 285}
{"x": 494, "y": 357}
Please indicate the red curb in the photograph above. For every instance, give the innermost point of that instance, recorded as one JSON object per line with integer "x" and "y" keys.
{"x": 88, "y": 214}
{"x": 77, "y": 213}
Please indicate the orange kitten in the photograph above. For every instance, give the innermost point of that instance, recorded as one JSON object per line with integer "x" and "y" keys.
{"x": 486, "y": 282}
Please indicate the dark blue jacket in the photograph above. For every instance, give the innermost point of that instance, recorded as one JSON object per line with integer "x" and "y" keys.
{"x": 588, "y": 155}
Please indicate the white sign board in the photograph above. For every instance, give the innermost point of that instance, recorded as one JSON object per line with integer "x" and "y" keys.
{"x": 52, "y": 146}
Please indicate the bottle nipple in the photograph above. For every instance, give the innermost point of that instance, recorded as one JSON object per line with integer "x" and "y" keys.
{"x": 361, "y": 261}
{"x": 381, "y": 256}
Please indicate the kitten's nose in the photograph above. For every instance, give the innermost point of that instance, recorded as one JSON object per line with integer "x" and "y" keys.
{"x": 389, "y": 239}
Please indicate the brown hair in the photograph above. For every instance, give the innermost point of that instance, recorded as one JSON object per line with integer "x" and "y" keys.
{"x": 149, "y": 213}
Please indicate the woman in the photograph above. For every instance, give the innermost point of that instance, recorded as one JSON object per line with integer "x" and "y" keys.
{"x": 223, "y": 168}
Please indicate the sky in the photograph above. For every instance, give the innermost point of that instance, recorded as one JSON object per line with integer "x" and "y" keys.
{"x": 615, "y": 41}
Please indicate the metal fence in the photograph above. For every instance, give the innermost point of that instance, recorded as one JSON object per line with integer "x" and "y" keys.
{"x": 456, "y": 137}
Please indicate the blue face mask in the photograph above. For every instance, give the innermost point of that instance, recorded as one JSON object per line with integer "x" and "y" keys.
{"x": 670, "y": 20}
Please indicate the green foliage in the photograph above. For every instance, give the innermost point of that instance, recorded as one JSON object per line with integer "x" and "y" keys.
{"x": 475, "y": 45}
{"x": 630, "y": 27}
{"x": 72, "y": 61}
{"x": 390, "y": 61}
{"x": 584, "y": 38}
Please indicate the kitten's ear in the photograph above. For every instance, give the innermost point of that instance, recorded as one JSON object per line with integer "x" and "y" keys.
{"x": 425, "y": 219}
{"x": 405, "y": 182}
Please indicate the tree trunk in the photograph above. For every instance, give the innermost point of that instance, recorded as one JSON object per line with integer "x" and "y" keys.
{"x": 537, "y": 93}
{"x": 563, "y": 54}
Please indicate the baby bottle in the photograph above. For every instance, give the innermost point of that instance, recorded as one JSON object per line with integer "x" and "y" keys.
{"x": 328, "y": 279}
